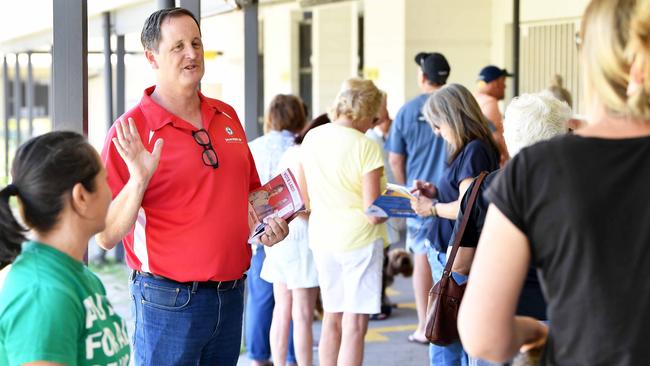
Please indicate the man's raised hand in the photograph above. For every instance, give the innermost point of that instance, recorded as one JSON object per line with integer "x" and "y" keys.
{"x": 140, "y": 162}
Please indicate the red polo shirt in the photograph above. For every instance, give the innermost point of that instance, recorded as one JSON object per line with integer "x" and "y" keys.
{"x": 193, "y": 221}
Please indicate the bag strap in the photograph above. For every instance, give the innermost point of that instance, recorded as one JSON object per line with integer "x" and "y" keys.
{"x": 463, "y": 223}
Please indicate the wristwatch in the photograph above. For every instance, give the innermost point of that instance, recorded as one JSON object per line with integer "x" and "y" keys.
{"x": 434, "y": 212}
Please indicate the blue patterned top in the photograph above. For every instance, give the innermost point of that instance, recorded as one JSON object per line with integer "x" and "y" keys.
{"x": 267, "y": 151}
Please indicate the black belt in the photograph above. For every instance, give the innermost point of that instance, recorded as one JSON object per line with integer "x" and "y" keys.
{"x": 219, "y": 285}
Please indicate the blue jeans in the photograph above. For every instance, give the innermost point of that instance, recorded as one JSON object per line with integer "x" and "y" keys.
{"x": 416, "y": 234}
{"x": 259, "y": 313}
{"x": 453, "y": 354}
{"x": 179, "y": 324}
{"x": 479, "y": 362}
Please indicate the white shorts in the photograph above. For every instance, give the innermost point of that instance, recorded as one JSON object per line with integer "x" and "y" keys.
{"x": 291, "y": 261}
{"x": 350, "y": 281}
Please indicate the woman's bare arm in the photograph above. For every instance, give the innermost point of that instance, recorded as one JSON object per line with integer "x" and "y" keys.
{"x": 487, "y": 324}
{"x": 463, "y": 260}
{"x": 423, "y": 205}
{"x": 370, "y": 190}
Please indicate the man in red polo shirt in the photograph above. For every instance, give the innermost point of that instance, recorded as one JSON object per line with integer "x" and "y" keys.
{"x": 182, "y": 209}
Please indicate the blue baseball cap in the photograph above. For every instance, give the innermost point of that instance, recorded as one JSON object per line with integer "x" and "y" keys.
{"x": 490, "y": 73}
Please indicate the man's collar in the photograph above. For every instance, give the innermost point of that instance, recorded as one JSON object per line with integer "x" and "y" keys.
{"x": 157, "y": 116}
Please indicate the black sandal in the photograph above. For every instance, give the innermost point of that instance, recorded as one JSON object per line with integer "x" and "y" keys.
{"x": 386, "y": 310}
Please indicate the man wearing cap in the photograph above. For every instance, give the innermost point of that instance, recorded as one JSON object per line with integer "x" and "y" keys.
{"x": 492, "y": 89}
{"x": 415, "y": 152}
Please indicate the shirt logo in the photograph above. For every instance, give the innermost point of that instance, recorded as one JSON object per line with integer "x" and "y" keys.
{"x": 232, "y": 139}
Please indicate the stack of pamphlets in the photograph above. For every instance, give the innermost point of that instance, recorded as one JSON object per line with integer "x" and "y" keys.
{"x": 279, "y": 197}
{"x": 394, "y": 202}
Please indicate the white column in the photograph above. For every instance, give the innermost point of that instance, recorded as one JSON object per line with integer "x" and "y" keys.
{"x": 384, "y": 43}
{"x": 281, "y": 50}
{"x": 334, "y": 56}
{"x": 224, "y": 73}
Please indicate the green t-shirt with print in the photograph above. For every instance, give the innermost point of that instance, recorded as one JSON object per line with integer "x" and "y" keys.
{"x": 52, "y": 308}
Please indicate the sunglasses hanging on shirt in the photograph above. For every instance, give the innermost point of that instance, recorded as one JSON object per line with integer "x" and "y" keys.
{"x": 209, "y": 156}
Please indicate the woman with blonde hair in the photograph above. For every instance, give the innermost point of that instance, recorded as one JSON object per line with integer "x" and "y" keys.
{"x": 342, "y": 174}
{"x": 453, "y": 113}
{"x": 576, "y": 207}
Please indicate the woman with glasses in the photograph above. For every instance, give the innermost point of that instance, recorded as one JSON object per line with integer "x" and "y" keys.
{"x": 53, "y": 310}
{"x": 285, "y": 118}
{"x": 455, "y": 115}
{"x": 342, "y": 174}
{"x": 577, "y": 208}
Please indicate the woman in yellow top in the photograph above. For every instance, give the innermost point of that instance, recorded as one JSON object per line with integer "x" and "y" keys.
{"x": 342, "y": 173}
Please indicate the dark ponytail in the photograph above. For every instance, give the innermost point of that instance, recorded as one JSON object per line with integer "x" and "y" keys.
{"x": 44, "y": 171}
{"x": 11, "y": 231}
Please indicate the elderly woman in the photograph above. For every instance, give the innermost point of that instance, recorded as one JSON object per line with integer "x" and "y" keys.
{"x": 342, "y": 174}
{"x": 530, "y": 118}
{"x": 53, "y": 309}
{"x": 576, "y": 207}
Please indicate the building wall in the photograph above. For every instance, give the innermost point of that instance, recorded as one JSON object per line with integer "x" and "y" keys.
{"x": 224, "y": 73}
{"x": 384, "y": 53}
{"x": 280, "y": 49}
{"x": 449, "y": 28}
{"x": 531, "y": 11}
{"x": 535, "y": 15}
{"x": 335, "y": 46}
{"x": 395, "y": 31}
{"x": 471, "y": 34}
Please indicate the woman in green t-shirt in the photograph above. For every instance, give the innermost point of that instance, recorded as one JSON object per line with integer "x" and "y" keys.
{"x": 53, "y": 310}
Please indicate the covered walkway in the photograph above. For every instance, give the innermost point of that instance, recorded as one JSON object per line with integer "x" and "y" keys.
{"x": 386, "y": 341}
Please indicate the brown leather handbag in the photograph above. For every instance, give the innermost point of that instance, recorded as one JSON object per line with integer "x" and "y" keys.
{"x": 445, "y": 296}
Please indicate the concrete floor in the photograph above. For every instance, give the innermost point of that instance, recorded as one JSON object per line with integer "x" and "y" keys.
{"x": 386, "y": 341}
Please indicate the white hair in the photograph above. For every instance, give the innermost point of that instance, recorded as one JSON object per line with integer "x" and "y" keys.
{"x": 531, "y": 118}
